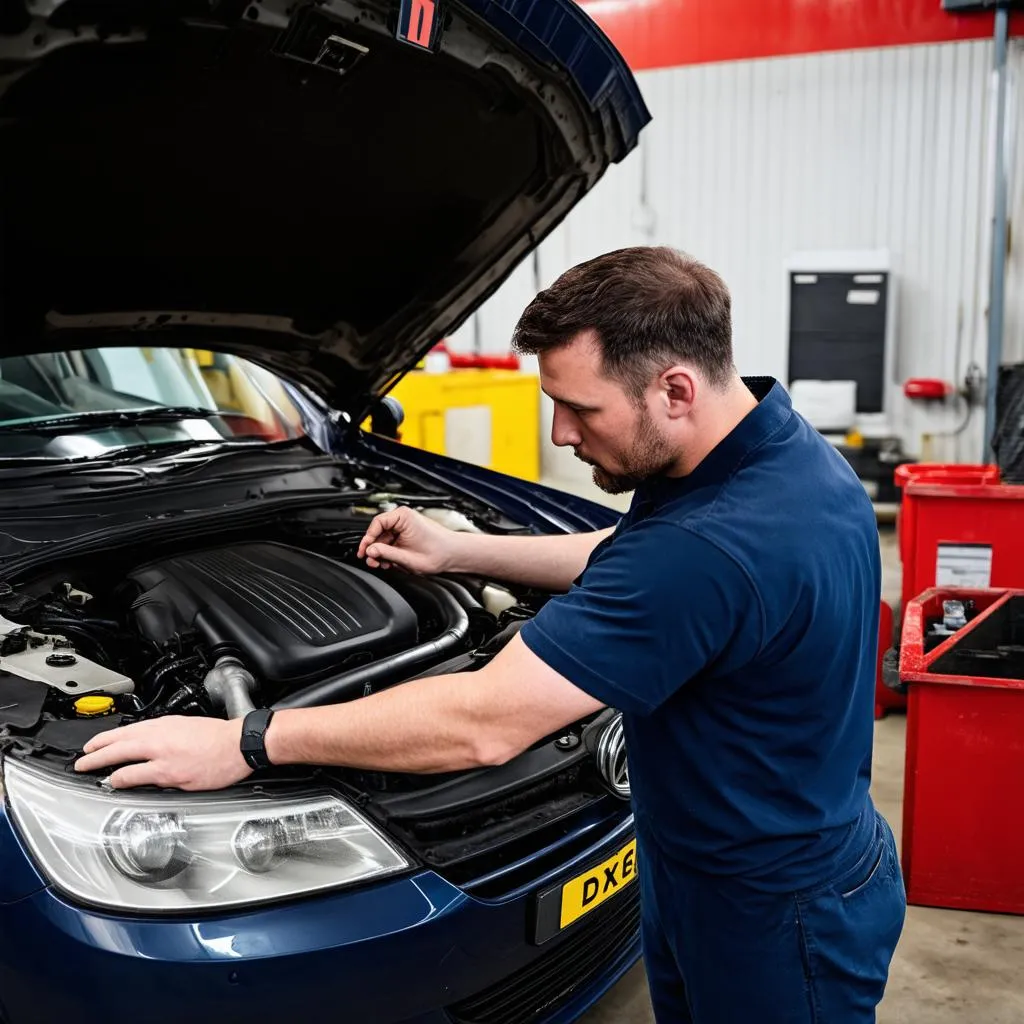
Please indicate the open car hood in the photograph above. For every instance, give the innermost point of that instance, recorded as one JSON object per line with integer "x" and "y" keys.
{"x": 327, "y": 189}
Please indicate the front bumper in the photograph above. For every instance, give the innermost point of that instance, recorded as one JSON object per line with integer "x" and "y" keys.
{"x": 414, "y": 950}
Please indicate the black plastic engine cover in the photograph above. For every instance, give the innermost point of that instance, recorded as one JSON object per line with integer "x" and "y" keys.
{"x": 293, "y": 616}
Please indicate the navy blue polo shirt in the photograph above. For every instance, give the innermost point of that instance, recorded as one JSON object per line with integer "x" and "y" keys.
{"x": 733, "y": 618}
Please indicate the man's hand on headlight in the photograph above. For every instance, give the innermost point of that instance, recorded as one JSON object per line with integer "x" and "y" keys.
{"x": 174, "y": 752}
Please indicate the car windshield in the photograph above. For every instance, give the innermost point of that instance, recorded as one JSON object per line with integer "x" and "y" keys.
{"x": 92, "y": 402}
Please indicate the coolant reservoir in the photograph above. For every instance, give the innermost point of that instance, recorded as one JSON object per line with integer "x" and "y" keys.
{"x": 497, "y": 599}
{"x": 453, "y": 520}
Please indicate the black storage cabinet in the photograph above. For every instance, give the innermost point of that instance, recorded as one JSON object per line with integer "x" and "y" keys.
{"x": 834, "y": 338}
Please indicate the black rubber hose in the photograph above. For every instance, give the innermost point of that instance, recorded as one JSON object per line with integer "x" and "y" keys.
{"x": 473, "y": 659}
{"x": 73, "y": 629}
{"x": 168, "y": 663}
{"x": 158, "y": 684}
{"x": 107, "y": 626}
{"x": 367, "y": 678}
{"x": 461, "y": 594}
{"x": 55, "y": 613}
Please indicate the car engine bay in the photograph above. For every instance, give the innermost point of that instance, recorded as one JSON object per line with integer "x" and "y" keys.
{"x": 223, "y": 612}
{"x": 288, "y": 617}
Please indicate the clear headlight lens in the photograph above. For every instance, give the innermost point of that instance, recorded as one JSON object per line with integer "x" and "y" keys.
{"x": 147, "y": 847}
{"x": 150, "y": 852}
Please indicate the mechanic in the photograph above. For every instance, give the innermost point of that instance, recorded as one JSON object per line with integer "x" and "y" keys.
{"x": 732, "y": 616}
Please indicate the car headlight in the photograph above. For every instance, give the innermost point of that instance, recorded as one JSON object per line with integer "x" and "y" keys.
{"x": 149, "y": 852}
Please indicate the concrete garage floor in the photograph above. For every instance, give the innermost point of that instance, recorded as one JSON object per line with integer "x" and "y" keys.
{"x": 951, "y": 967}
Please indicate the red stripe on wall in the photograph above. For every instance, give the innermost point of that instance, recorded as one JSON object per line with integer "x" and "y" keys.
{"x": 663, "y": 33}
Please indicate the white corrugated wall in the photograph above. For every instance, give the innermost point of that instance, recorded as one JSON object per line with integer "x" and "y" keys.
{"x": 748, "y": 162}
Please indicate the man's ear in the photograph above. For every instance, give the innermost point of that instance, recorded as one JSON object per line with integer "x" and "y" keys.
{"x": 679, "y": 386}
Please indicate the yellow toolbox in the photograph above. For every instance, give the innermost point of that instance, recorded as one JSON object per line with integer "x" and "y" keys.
{"x": 487, "y": 417}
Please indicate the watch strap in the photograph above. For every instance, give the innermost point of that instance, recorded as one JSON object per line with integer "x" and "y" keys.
{"x": 253, "y": 742}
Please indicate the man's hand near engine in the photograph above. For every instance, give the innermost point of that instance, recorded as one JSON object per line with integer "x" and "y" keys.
{"x": 407, "y": 540}
{"x": 410, "y": 541}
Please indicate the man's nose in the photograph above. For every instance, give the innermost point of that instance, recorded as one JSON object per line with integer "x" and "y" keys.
{"x": 563, "y": 431}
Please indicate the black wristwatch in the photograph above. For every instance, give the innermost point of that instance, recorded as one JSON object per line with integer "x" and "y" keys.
{"x": 254, "y": 732}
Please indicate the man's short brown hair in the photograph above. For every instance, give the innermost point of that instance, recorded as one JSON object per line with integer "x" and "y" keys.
{"x": 650, "y": 306}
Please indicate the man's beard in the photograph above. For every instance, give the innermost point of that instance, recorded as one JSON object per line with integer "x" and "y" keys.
{"x": 648, "y": 457}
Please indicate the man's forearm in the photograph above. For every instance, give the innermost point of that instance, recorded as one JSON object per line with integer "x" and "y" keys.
{"x": 438, "y": 724}
{"x": 549, "y": 563}
{"x": 429, "y": 725}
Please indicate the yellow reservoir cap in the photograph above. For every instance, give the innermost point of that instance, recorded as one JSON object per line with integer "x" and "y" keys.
{"x": 94, "y": 705}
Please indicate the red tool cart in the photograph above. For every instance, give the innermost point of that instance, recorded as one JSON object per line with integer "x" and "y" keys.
{"x": 962, "y": 658}
{"x": 957, "y": 526}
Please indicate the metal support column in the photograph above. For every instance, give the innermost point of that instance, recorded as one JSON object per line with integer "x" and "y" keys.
{"x": 997, "y": 280}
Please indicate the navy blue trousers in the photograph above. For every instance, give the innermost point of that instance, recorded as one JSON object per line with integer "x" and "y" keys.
{"x": 718, "y": 952}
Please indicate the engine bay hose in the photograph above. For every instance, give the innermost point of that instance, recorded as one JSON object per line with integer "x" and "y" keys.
{"x": 230, "y": 685}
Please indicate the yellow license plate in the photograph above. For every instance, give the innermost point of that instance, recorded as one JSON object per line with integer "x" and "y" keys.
{"x": 600, "y": 883}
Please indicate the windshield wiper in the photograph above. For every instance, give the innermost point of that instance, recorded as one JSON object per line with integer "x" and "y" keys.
{"x": 211, "y": 448}
{"x": 110, "y": 418}
{"x": 131, "y": 455}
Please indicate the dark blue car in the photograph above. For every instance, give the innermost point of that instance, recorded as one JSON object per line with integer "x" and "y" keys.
{"x": 225, "y": 230}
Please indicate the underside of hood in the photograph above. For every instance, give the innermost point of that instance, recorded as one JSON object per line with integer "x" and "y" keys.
{"x": 325, "y": 188}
